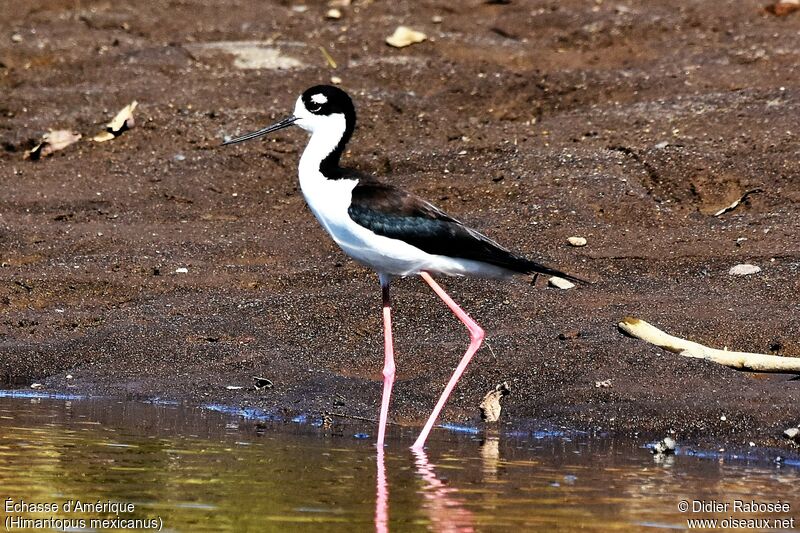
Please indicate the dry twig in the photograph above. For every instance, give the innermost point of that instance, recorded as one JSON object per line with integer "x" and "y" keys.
{"x": 752, "y": 362}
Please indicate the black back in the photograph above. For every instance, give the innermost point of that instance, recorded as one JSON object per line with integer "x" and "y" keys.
{"x": 391, "y": 212}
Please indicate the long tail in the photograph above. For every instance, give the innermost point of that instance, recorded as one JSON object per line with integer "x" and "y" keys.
{"x": 526, "y": 266}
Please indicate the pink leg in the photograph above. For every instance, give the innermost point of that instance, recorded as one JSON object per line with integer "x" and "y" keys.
{"x": 476, "y": 335}
{"x": 388, "y": 365}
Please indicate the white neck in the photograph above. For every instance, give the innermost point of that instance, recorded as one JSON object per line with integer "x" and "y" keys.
{"x": 325, "y": 136}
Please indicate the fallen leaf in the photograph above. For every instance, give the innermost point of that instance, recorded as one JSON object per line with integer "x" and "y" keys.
{"x": 122, "y": 122}
{"x": 262, "y": 383}
{"x": 735, "y": 204}
{"x": 404, "y": 36}
{"x": 490, "y": 405}
{"x": 52, "y": 141}
{"x": 783, "y": 7}
{"x": 561, "y": 283}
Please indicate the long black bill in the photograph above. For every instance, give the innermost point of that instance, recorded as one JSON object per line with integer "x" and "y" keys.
{"x": 285, "y": 123}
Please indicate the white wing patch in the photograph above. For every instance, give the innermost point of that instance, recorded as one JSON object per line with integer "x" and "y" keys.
{"x": 319, "y": 98}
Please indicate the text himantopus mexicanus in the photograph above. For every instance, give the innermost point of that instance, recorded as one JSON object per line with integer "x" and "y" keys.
{"x": 388, "y": 229}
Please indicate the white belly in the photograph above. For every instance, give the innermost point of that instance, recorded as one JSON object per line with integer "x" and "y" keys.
{"x": 329, "y": 200}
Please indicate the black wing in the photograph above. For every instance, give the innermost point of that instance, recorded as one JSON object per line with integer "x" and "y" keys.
{"x": 392, "y": 212}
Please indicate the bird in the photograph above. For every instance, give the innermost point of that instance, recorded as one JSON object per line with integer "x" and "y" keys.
{"x": 392, "y": 231}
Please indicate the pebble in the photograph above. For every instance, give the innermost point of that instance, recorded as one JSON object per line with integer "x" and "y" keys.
{"x": 792, "y": 434}
{"x": 664, "y": 446}
{"x": 16, "y": 38}
{"x": 336, "y": 80}
{"x": 577, "y": 241}
{"x": 37, "y": 386}
{"x": 333, "y": 14}
{"x": 404, "y": 36}
{"x": 182, "y": 270}
{"x": 744, "y": 269}
{"x": 561, "y": 283}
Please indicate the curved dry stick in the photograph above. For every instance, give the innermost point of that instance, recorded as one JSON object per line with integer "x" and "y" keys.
{"x": 751, "y": 362}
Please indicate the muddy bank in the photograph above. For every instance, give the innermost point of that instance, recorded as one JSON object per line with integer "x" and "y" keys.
{"x": 627, "y": 123}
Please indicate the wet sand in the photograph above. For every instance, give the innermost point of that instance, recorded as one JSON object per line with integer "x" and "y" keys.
{"x": 627, "y": 123}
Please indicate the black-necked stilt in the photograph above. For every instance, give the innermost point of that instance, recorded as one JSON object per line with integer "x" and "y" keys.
{"x": 388, "y": 229}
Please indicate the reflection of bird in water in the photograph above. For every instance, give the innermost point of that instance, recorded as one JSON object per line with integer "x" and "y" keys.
{"x": 382, "y": 497}
{"x": 388, "y": 229}
{"x": 490, "y": 454}
{"x": 444, "y": 510}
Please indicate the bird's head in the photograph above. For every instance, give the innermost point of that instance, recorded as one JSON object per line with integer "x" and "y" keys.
{"x": 320, "y": 109}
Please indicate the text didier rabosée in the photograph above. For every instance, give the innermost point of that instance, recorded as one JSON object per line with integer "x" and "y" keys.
{"x": 739, "y": 506}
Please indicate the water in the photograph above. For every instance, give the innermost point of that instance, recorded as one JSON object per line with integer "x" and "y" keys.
{"x": 192, "y": 469}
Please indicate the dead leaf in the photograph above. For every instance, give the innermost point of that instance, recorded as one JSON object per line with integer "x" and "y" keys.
{"x": 404, "y": 36}
{"x": 490, "y": 405}
{"x": 122, "y": 122}
{"x": 735, "y": 204}
{"x": 783, "y": 7}
{"x": 52, "y": 141}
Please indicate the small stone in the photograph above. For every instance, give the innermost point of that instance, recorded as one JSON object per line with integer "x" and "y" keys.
{"x": 182, "y": 270}
{"x": 234, "y": 387}
{"x": 300, "y": 9}
{"x": 605, "y": 384}
{"x": 577, "y": 241}
{"x": 336, "y": 80}
{"x": 561, "y": 283}
{"x": 723, "y": 418}
{"x": 16, "y": 38}
{"x": 69, "y": 376}
{"x": 37, "y": 386}
{"x": 665, "y": 446}
{"x": 437, "y": 19}
{"x": 404, "y": 36}
{"x": 744, "y": 269}
{"x": 333, "y": 14}
{"x": 793, "y": 434}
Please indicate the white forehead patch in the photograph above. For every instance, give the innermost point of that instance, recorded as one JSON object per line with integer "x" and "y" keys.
{"x": 319, "y": 98}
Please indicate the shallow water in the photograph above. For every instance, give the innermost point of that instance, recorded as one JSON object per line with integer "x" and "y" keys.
{"x": 199, "y": 469}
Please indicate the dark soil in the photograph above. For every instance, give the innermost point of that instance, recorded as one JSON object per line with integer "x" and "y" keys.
{"x": 627, "y": 122}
